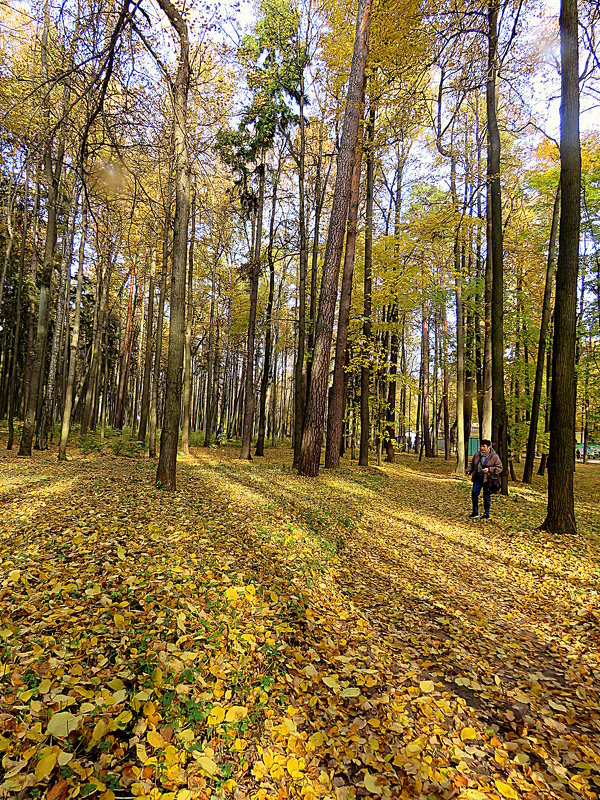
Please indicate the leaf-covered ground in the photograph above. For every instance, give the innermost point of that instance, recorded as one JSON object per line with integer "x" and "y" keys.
{"x": 259, "y": 635}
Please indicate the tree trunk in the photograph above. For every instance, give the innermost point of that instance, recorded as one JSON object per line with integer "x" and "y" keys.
{"x": 167, "y": 460}
{"x": 145, "y": 404}
{"x": 264, "y": 384}
{"x": 37, "y": 368}
{"x": 12, "y": 389}
{"x": 313, "y": 427}
{"x": 153, "y": 411}
{"x": 460, "y": 375}
{"x": 561, "y": 507}
{"x": 425, "y": 366}
{"x": 68, "y": 404}
{"x": 499, "y": 421}
{"x": 187, "y": 383}
{"x": 299, "y": 388}
{"x": 541, "y": 354}
{"x": 254, "y": 278}
{"x": 446, "y": 389}
{"x": 336, "y": 400}
{"x": 29, "y": 352}
{"x": 365, "y": 370}
{"x": 129, "y": 327}
{"x": 486, "y": 428}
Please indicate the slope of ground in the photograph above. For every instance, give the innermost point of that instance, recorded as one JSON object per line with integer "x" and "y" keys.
{"x": 259, "y": 635}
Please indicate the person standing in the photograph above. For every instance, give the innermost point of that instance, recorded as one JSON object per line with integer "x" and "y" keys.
{"x": 484, "y": 469}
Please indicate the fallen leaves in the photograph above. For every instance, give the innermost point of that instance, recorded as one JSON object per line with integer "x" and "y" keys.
{"x": 249, "y": 635}
{"x": 62, "y": 723}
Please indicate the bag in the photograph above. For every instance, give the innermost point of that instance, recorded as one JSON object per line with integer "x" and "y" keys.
{"x": 494, "y": 484}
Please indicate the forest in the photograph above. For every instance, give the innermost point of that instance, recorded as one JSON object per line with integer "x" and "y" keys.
{"x": 272, "y": 275}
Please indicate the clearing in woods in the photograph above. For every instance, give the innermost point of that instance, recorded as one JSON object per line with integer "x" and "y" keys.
{"x": 261, "y": 635}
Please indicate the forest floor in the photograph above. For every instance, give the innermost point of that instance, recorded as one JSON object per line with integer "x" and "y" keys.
{"x": 260, "y": 635}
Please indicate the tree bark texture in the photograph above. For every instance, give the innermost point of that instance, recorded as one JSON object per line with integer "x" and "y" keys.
{"x": 541, "y": 354}
{"x": 68, "y": 404}
{"x": 167, "y": 460}
{"x": 336, "y": 401}
{"x": 187, "y": 382}
{"x": 365, "y": 369}
{"x": 499, "y": 421}
{"x": 561, "y": 508}
{"x": 312, "y": 438}
{"x": 266, "y": 376}
{"x": 254, "y": 278}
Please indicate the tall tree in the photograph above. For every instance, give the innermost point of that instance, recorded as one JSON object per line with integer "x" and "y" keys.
{"x": 542, "y": 343}
{"x": 312, "y": 438}
{"x": 187, "y": 385}
{"x": 561, "y": 505}
{"x": 495, "y": 246}
{"x": 53, "y": 167}
{"x": 266, "y": 376}
{"x": 365, "y": 368}
{"x": 167, "y": 460}
{"x": 336, "y": 400}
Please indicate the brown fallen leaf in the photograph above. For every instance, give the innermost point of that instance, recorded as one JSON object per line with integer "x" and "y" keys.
{"x": 58, "y": 791}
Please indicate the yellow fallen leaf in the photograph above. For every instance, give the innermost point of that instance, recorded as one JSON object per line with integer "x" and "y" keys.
{"x": 506, "y": 790}
{"x": 351, "y": 691}
{"x": 171, "y": 755}
{"x": 44, "y": 686}
{"x": 216, "y": 715}
{"x": 155, "y": 740}
{"x": 231, "y": 594}
{"x": 100, "y": 728}
{"x": 206, "y": 764}
{"x": 124, "y": 717}
{"x": 557, "y": 706}
{"x": 45, "y": 766}
{"x": 467, "y": 734}
{"x": 14, "y": 575}
{"x": 236, "y": 713}
{"x": 371, "y": 785}
{"x": 317, "y": 739}
{"x": 472, "y": 794}
{"x": 64, "y": 757}
{"x": 140, "y": 752}
{"x": 121, "y": 553}
{"x": 119, "y": 621}
{"x": 426, "y": 687}
{"x": 157, "y": 677}
{"x": 292, "y": 765}
{"x": 62, "y": 724}
{"x": 521, "y": 758}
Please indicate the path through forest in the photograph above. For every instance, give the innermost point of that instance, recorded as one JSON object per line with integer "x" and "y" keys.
{"x": 261, "y": 635}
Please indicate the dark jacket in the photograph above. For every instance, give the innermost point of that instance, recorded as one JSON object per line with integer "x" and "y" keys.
{"x": 493, "y": 464}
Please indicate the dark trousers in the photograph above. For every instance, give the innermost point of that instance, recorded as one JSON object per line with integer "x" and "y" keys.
{"x": 478, "y": 485}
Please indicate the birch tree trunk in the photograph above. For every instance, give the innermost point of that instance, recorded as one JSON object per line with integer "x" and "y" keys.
{"x": 68, "y": 405}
